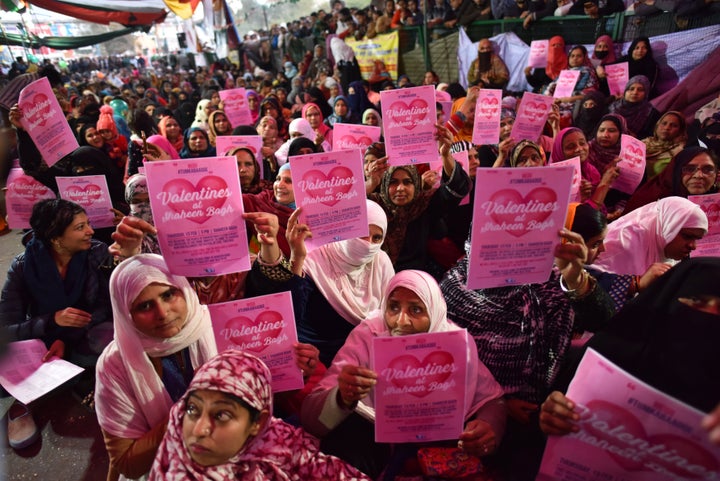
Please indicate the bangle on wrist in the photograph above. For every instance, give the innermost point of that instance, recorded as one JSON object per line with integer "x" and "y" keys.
{"x": 269, "y": 264}
{"x": 578, "y": 289}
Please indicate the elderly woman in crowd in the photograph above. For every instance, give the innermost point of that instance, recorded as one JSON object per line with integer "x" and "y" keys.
{"x": 666, "y": 142}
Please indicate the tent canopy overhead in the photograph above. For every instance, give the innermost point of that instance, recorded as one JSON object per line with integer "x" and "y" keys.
{"x": 129, "y": 13}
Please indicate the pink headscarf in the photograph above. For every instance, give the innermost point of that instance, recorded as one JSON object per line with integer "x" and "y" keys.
{"x": 278, "y": 452}
{"x": 164, "y": 144}
{"x": 611, "y": 53}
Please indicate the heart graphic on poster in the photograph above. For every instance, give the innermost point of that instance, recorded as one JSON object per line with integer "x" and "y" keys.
{"x": 713, "y": 214}
{"x": 634, "y": 154}
{"x": 488, "y": 107}
{"x": 235, "y": 100}
{"x": 85, "y": 196}
{"x": 182, "y": 196}
{"x": 328, "y": 188}
{"x": 566, "y": 80}
{"x": 616, "y": 426}
{"x": 407, "y": 116}
{"x": 250, "y": 334}
{"x": 535, "y": 110}
{"x": 409, "y": 372}
{"x": 37, "y": 111}
{"x": 350, "y": 142}
{"x": 30, "y": 189}
{"x": 539, "y": 48}
{"x": 537, "y": 206}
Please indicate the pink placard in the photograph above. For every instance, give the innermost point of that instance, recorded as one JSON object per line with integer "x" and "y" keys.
{"x": 631, "y": 163}
{"x": 236, "y": 107}
{"x": 265, "y": 327}
{"x": 330, "y": 188}
{"x": 420, "y": 390}
{"x": 197, "y": 208}
{"x": 23, "y": 192}
{"x": 353, "y": 136}
{"x": 486, "y": 129}
{"x": 516, "y": 218}
{"x": 44, "y": 120}
{"x": 565, "y": 84}
{"x": 226, "y": 143}
{"x": 92, "y": 194}
{"x": 628, "y": 431}
{"x": 409, "y": 117}
{"x": 446, "y": 109}
{"x": 538, "y": 54}
{"x": 617, "y": 77}
{"x": 709, "y": 245}
{"x": 576, "y": 179}
{"x": 531, "y": 117}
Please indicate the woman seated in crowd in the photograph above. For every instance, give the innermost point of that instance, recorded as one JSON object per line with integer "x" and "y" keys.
{"x": 635, "y": 107}
{"x": 249, "y": 171}
{"x": 557, "y": 60}
{"x": 586, "y": 82}
{"x": 197, "y": 144}
{"x": 412, "y": 304}
{"x": 218, "y": 124}
{"x": 224, "y": 428}
{"x": 667, "y": 141}
{"x": 313, "y": 114}
{"x": 693, "y": 171}
{"x": 270, "y": 107}
{"x": 641, "y": 61}
{"x": 170, "y": 128}
{"x": 267, "y": 128}
{"x": 57, "y": 291}
{"x": 662, "y": 231}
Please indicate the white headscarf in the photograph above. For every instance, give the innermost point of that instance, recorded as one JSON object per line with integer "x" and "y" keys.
{"x": 201, "y": 118}
{"x": 297, "y": 126}
{"x": 637, "y": 240}
{"x": 118, "y": 404}
{"x": 352, "y": 274}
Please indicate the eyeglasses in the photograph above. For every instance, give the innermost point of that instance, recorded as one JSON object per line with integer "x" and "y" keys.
{"x": 705, "y": 169}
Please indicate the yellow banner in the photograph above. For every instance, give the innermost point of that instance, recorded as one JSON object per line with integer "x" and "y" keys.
{"x": 382, "y": 47}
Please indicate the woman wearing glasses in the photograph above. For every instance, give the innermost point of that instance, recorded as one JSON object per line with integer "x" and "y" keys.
{"x": 693, "y": 171}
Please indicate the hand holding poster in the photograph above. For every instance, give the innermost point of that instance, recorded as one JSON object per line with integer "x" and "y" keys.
{"x": 576, "y": 179}
{"x": 538, "y": 54}
{"x": 631, "y": 164}
{"x": 236, "y": 107}
{"x": 23, "y": 192}
{"x": 617, "y": 77}
{"x": 265, "y": 327}
{"x": 486, "y": 129}
{"x": 353, "y": 136}
{"x": 517, "y": 215}
{"x": 628, "y": 431}
{"x": 44, "y": 120}
{"x": 420, "y": 390}
{"x": 330, "y": 189}
{"x": 92, "y": 194}
{"x": 531, "y": 117}
{"x": 710, "y": 244}
{"x": 565, "y": 85}
{"x": 198, "y": 212}
{"x": 409, "y": 118}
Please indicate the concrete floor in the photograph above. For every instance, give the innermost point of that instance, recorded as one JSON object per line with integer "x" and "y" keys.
{"x": 71, "y": 448}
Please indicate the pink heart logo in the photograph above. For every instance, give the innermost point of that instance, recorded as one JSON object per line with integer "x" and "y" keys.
{"x": 85, "y": 196}
{"x": 489, "y": 107}
{"x": 634, "y": 154}
{"x": 37, "y": 111}
{"x": 407, "y": 371}
{"x": 209, "y": 194}
{"x": 29, "y": 189}
{"x": 522, "y": 214}
{"x": 713, "y": 214}
{"x": 616, "y": 426}
{"x": 407, "y": 116}
{"x": 328, "y": 189}
{"x": 350, "y": 142}
{"x": 252, "y": 334}
{"x": 535, "y": 111}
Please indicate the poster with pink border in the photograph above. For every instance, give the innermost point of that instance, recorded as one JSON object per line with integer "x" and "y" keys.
{"x": 538, "y": 53}
{"x": 516, "y": 218}
{"x": 22, "y": 193}
{"x": 197, "y": 207}
{"x": 93, "y": 195}
{"x": 330, "y": 189}
{"x": 226, "y": 143}
{"x": 236, "y": 107}
{"x": 486, "y": 129}
{"x": 576, "y": 179}
{"x": 631, "y": 163}
{"x": 710, "y": 244}
{"x": 446, "y": 109}
{"x": 565, "y": 85}
{"x": 353, "y": 136}
{"x": 420, "y": 390}
{"x": 531, "y": 117}
{"x": 617, "y": 77}
{"x": 263, "y": 326}
{"x": 409, "y": 117}
{"x": 628, "y": 431}
{"x": 44, "y": 120}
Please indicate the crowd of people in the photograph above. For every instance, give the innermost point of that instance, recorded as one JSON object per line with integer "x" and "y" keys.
{"x": 171, "y": 407}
